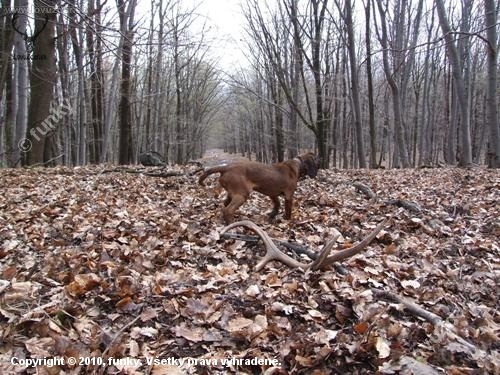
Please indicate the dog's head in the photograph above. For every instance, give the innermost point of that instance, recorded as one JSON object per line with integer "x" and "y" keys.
{"x": 310, "y": 164}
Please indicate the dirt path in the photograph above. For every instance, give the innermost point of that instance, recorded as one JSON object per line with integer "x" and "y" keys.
{"x": 217, "y": 156}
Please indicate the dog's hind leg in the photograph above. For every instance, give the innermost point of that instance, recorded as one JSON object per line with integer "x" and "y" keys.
{"x": 229, "y": 210}
{"x": 276, "y": 208}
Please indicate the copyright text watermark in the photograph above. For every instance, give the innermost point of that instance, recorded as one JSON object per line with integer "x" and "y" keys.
{"x": 148, "y": 361}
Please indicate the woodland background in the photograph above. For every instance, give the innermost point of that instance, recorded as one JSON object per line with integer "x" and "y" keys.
{"x": 364, "y": 83}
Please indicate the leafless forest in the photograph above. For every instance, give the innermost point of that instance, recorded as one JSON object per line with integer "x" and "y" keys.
{"x": 364, "y": 83}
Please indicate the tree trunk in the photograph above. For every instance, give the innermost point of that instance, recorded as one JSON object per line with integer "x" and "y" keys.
{"x": 400, "y": 148}
{"x": 369, "y": 82}
{"x": 179, "y": 131}
{"x": 6, "y": 40}
{"x": 65, "y": 82}
{"x": 15, "y": 89}
{"x": 322, "y": 117}
{"x": 96, "y": 82}
{"x": 425, "y": 144}
{"x": 81, "y": 110}
{"x": 351, "y": 45}
{"x": 21, "y": 73}
{"x": 465, "y": 157}
{"x": 145, "y": 139}
{"x": 293, "y": 142}
{"x": 42, "y": 82}
{"x": 491, "y": 16}
{"x": 125, "y": 155}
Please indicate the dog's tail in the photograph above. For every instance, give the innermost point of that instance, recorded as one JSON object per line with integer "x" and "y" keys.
{"x": 208, "y": 172}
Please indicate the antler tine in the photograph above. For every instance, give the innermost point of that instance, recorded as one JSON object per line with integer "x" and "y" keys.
{"x": 272, "y": 252}
{"x": 323, "y": 256}
{"x": 347, "y": 253}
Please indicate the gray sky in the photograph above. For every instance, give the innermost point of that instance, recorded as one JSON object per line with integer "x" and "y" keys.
{"x": 227, "y": 22}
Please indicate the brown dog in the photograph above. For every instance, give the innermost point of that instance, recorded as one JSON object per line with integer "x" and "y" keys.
{"x": 241, "y": 178}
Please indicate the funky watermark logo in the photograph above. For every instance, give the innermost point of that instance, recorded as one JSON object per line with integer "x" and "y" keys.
{"x": 47, "y": 125}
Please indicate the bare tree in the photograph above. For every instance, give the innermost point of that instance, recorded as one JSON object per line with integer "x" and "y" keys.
{"x": 186, "y": 54}
{"x": 426, "y": 129}
{"x": 77, "y": 43}
{"x": 6, "y": 42}
{"x": 307, "y": 31}
{"x": 127, "y": 12}
{"x": 20, "y": 88}
{"x": 465, "y": 157}
{"x": 150, "y": 85}
{"x": 351, "y": 48}
{"x": 293, "y": 78}
{"x": 42, "y": 82}
{"x": 95, "y": 52}
{"x": 369, "y": 83}
{"x": 491, "y": 17}
{"x": 396, "y": 48}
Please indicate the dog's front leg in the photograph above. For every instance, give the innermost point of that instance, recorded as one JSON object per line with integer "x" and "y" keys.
{"x": 288, "y": 207}
{"x": 276, "y": 208}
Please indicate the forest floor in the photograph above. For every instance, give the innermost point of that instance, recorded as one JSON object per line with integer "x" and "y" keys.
{"x": 127, "y": 273}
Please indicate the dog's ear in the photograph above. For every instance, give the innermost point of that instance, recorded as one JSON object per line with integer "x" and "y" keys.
{"x": 311, "y": 164}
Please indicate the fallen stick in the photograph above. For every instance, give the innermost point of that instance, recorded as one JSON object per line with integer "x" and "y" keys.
{"x": 434, "y": 319}
{"x": 364, "y": 189}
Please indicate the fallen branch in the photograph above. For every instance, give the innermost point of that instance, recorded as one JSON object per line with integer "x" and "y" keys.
{"x": 163, "y": 174}
{"x": 45, "y": 162}
{"x": 434, "y": 319}
{"x": 195, "y": 171}
{"x": 100, "y": 370}
{"x": 40, "y": 310}
{"x": 409, "y": 305}
{"x": 145, "y": 172}
{"x": 408, "y": 205}
{"x": 364, "y": 189}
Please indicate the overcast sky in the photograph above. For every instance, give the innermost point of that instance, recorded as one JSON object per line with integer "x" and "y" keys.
{"x": 226, "y": 21}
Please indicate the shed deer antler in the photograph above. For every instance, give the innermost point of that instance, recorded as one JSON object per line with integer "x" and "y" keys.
{"x": 324, "y": 259}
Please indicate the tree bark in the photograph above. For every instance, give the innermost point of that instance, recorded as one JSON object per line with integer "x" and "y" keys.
{"x": 465, "y": 157}
{"x": 125, "y": 155}
{"x": 369, "y": 83}
{"x": 400, "y": 147}
{"x": 6, "y": 40}
{"x": 351, "y": 45}
{"x": 491, "y": 16}
{"x": 76, "y": 41}
{"x": 21, "y": 79}
{"x": 96, "y": 81}
{"x": 42, "y": 82}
